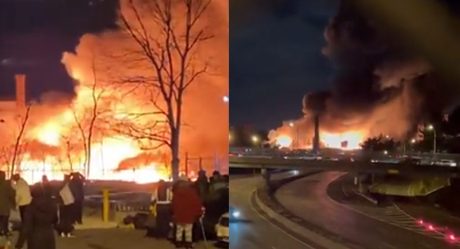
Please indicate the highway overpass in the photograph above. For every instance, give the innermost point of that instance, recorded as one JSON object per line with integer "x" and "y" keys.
{"x": 418, "y": 180}
{"x": 359, "y": 166}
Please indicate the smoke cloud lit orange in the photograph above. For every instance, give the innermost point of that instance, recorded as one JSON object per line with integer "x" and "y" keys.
{"x": 52, "y": 143}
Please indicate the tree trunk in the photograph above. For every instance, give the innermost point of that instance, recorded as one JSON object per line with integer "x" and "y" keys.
{"x": 88, "y": 162}
{"x": 69, "y": 157}
{"x": 18, "y": 141}
{"x": 175, "y": 162}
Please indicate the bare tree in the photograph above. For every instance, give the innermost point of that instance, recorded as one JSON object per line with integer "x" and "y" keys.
{"x": 168, "y": 35}
{"x": 18, "y": 142}
{"x": 86, "y": 123}
{"x": 79, "y": 122}
{"x": 70, "y": 148}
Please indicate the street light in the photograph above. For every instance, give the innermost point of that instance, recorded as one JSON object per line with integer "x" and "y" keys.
{"x": 255, "y": 139}
{"x": 291, "y": 124}
{"x": 431, "y": 128}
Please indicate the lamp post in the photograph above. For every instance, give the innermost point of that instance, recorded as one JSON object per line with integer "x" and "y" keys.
{"x": 431, "y": 128}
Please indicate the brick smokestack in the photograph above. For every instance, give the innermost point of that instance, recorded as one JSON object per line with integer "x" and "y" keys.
{"x": 316, "y": 137}
{"x": 20, "y": 90}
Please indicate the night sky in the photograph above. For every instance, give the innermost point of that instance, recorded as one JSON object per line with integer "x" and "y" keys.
{"x": 275, "y": 48}
{"x": 34, "y": 33}
{"x": 275, "y": 58}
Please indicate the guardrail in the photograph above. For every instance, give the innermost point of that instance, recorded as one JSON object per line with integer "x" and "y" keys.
{"x": 120, "y": 202}
{"x": 342, "y": 165}
{"x": 327, "y": 152}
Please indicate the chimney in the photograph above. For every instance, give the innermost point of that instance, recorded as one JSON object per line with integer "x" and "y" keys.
{"x": 316, "y": 136}
{"x": 20, "y": 91}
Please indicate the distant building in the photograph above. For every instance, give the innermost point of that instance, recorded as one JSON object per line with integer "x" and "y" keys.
{"x": 13, "y": 104}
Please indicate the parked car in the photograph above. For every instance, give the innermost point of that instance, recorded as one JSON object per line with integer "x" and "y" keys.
{"x": 446, "y": 162}
{"x": 426, "y": 161}
{"x": 222, "y": 230}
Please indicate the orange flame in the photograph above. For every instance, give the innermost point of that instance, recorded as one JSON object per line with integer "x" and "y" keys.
{"x": 284, "y": 141}
{"x": 52, "y": 143}
{"x": 349, "y": 140}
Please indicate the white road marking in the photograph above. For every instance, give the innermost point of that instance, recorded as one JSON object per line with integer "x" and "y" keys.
{"x": 434, "y": 234}
{"x": 277, "y": 227}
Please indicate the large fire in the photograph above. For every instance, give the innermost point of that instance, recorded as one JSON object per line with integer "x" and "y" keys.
{"x": 349, "y": 140}
{"x": 284, "y": 141}
{"x": 53, "y": 145}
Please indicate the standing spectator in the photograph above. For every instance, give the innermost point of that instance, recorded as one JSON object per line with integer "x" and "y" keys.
{"x": 7, "y": 202}
{"x": 66, "y": 220}
{"x": 187, "y": 209}
{"x": 202, "y": 184}
{"x": 46, "y": 185}
{"x": 215, "y": 176}
{"x": 39, "y": 221}
{"x": 76, "y": 185}
{"x": 217, "y": 182}
{"x": 161, "y": 199}
{"x": 23, "y": 196}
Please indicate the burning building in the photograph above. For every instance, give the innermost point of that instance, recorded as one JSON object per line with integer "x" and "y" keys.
{"x": 111, "y": 129}
{"x": 9, "y": 104}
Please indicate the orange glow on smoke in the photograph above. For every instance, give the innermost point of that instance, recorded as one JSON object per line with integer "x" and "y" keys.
{"x": 284, "y": 141}
{"x": 52, "y": 141}
{"x": 349, "y": 140}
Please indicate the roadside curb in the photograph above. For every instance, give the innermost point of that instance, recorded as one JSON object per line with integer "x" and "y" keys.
{"x": 296, "y": 226}
{"x": 367, "y": 197}
{"x": 97, "y": 225}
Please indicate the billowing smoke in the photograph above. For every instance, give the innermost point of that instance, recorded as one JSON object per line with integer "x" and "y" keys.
{"x": 102, "y": 62}
{"x": 115, "y": 55}
{"x": 381, "y": 86}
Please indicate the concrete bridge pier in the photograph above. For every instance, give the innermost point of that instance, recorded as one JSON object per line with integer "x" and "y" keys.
{"x": 266, "y": 174}
{"x": 364, "y": 181}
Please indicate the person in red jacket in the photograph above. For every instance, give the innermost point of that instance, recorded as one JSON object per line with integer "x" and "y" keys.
{"x": 186, "y": 208}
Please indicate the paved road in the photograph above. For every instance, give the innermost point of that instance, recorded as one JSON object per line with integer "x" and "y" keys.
{"x": 255, "y": 232}
{"x": 315, "y": 206}
{"x": 115, "y": 239}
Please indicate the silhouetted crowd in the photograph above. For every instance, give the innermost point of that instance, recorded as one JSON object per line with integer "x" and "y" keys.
{"x": 181, "y": 207}
{"x": 43, "y": 209}
{"x": 183, "y": 211}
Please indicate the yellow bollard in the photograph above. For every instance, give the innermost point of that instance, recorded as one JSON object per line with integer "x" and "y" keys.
{"x": 105, "y": 205}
